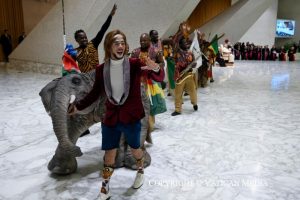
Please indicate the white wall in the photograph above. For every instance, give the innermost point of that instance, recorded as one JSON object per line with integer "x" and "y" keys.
{"x": 234, "y": 1}
{"x": 262, "y": 32}
{"x": 45, "y": 45}
{"x": 242, "y": 17}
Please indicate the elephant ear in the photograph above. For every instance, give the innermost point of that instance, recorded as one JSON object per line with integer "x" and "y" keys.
{"x": 99, "y": 111}
{"x": 46, "y": 93}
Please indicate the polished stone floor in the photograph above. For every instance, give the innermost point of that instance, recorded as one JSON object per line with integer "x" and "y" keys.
{"x": 243, "y": 143}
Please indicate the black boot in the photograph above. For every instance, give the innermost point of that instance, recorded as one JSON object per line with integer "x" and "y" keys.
{"x": 195, "y": 107}
{"x": 175, "y": 113}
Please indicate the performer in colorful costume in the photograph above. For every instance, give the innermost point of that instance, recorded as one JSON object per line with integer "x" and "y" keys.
{"x": 203, "y": 73}
{"x": 87, "y": 56}
{"x": 119, "y": 78}
{"x": 184, "y": 77}
{"x": 153, "y": 88}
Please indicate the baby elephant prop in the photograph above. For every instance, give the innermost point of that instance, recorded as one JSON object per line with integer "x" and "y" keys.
{"x": 56, "y": 97}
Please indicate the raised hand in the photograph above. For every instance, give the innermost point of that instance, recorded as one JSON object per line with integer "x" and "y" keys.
{"x": 150, "y": 64}
{"x": 113, "y": 11}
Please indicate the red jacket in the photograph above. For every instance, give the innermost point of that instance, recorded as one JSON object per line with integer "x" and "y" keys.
{"x": 132, "y": 109}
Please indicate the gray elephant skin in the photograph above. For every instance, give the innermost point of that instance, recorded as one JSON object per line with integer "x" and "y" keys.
{"x": 56, "y": 97}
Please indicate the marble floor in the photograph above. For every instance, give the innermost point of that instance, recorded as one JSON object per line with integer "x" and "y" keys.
{"x": 243, "y": 143}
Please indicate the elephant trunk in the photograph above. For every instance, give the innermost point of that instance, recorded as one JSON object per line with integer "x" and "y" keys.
{"x": 59, "y": 120}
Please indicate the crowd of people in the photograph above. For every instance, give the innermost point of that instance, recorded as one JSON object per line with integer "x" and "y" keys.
{"x": 125, "y": 77}
{"x": 250, "y": 51}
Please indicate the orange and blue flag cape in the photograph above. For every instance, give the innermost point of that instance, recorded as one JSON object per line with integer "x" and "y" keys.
{"x": 69, "y": 65}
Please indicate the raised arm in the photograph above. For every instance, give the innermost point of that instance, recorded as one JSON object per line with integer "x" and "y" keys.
{"x": 97, "y": 40}
{"x": 154, "y": 72}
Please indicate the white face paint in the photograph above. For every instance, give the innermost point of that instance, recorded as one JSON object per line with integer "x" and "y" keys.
{"x": 118, "y": 47}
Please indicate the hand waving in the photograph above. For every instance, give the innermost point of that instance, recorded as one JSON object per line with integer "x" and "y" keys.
{"x": 113, "y": 11}
{"x": 150, "y": 64}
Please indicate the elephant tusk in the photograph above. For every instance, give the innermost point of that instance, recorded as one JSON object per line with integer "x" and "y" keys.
{"x": 72, "y": 98}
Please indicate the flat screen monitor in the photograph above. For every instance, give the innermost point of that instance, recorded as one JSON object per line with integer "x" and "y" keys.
{"x": 285, "y": 28}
